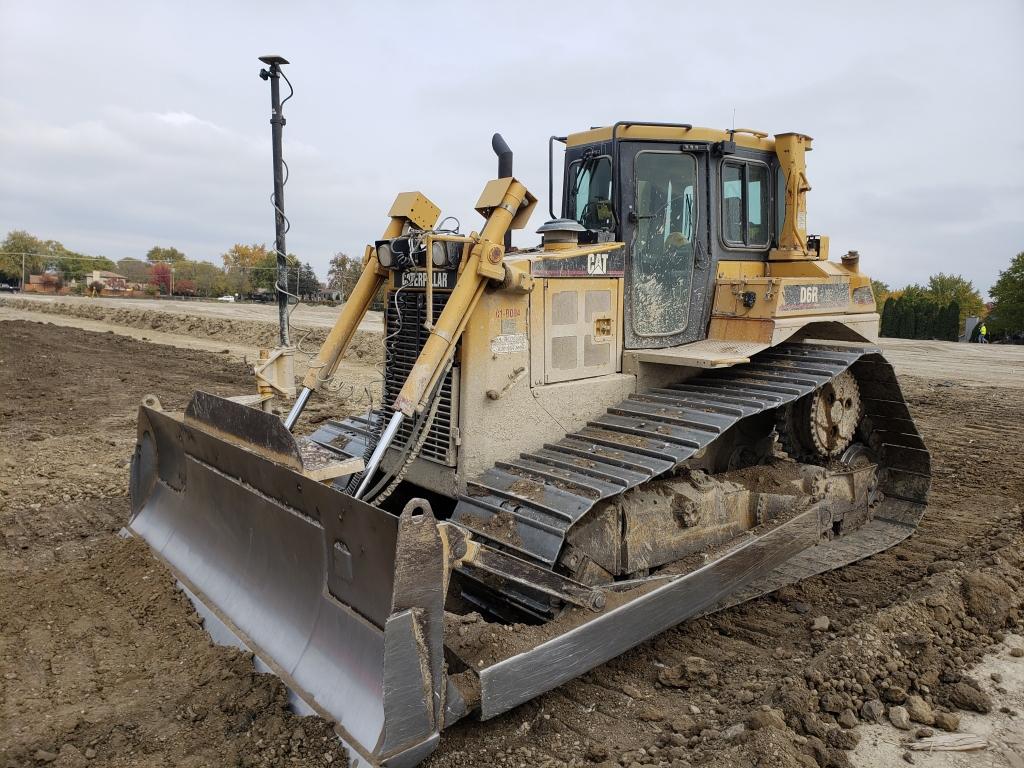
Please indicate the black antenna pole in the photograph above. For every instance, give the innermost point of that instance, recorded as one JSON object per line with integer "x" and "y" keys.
{"x": 277, "y": 122}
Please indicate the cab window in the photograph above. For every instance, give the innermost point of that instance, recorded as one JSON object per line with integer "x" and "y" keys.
{"x": 589, "y": 186}
{"x": 746, "y": 201}
{"x": 662, "y": 258}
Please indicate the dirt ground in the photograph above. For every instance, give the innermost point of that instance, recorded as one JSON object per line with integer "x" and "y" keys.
{"x": 306, "y": 315}
{"x": 104, "y": 662}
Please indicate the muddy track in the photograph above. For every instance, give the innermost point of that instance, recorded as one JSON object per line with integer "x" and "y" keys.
{"x": 104, "y": 663}
{"x": 675, "y": 699}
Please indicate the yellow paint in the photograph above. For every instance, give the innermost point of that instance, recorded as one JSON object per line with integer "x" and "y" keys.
{"x": 735, "y": 270}
{"x": 640, "y": 132}
{"x": 480, "y": 265}
{"x": 415, "y": 207}
{"x": 807, "y": 269}
{"x": 791, "y": 149}
{"x": 493, "y": 196}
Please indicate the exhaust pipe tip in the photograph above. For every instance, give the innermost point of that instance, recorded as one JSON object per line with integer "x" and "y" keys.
{"x": 504, "y": 153}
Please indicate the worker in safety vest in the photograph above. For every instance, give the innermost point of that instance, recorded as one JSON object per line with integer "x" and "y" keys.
{"x": 983, "y": 334}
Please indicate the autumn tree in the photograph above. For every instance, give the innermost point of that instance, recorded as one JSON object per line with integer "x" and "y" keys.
{"x": 17, "y": 243}
{"x": 1008, "y": 295}
{"x": 951, "y": 322}
{"x": 43, "y": 255}
{"x": 134, "y": 270}
{"x": 342, "y": 273}
{"x": 158, "y": 253}
{"x": 245, "y": 256}
{"x": 161, "y": 277}
{"x": 264, "y": 273}
{"x": 943, "y": 289}
{"x": 881, "y": 291}
{"x": 209, "y": 278}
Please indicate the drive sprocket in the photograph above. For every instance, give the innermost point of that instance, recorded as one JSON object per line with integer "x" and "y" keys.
{"x": 822, "y": 424}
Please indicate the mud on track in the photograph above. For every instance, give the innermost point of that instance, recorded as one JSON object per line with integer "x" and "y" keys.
{"x": 100, "y": 655}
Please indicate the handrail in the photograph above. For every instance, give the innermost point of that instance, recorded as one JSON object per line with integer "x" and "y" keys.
{"x": 551, "y": 173}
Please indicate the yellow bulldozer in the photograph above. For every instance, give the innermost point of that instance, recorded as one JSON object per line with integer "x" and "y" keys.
{"x": 673, "y": 403}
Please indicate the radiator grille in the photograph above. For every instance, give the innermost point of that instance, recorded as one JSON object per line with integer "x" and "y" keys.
{"x": 405, "y": 341}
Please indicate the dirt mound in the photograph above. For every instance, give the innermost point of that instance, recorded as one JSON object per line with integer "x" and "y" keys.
{"x": 365, "y": 344}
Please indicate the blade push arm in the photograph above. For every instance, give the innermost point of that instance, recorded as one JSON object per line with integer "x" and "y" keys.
{"x": 507, "y": 204}
{"x": 484, "y": 262}
{"x": 409, "y": 207}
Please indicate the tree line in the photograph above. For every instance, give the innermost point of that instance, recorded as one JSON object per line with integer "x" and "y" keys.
{"x": 909, "y": 318}
{"x": 245, "y": 269}
{"x": 1007, "y": 316}
{"x": 342, "y": 274}
{"x": 928, "y": 311}
{"x": 936, "y": 310}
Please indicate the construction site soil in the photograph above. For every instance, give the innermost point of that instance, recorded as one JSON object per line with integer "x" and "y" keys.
{"x": 104, "y": 662}
{"x": 197, "y": 321}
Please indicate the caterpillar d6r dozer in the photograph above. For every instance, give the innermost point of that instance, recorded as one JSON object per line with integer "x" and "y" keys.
{"x": 671, "y": 405}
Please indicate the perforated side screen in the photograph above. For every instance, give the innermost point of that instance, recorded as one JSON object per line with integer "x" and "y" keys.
{"x": 580, "y": 344}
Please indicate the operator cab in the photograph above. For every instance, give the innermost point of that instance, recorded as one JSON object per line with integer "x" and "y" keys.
{"x": 682, "y": 199}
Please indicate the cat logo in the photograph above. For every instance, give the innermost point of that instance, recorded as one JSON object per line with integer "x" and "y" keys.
{"x": 445, "y": 279}
{"x": 597, "y": 264}
{"x": 808, "y": 294}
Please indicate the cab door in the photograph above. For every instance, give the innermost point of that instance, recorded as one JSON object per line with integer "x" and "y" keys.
{"x": 668, "y": 269}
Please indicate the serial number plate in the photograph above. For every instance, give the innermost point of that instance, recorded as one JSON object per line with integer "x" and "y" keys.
{"x": 508, "y": 343}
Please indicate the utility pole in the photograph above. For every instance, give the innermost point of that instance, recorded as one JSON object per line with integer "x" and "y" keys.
{"x": 277, "y": 122}
{"x": 22, "y": 273}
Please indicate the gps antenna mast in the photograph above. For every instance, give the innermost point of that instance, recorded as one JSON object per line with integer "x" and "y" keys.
{"x": 275, "y": 371}
{"x": 277, "y": 122}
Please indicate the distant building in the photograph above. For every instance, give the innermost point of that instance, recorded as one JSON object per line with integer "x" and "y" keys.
{"x": 111, "y": 281}
{"x": 48, "y": 282}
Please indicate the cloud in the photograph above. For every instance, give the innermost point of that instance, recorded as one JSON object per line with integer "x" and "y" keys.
{"x": 131, "y": 126}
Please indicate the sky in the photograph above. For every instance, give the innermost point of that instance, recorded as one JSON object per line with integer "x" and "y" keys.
{"x": 128, "y": 125}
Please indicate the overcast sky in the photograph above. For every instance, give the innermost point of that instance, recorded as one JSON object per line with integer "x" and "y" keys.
{"x": 129, "y": 124}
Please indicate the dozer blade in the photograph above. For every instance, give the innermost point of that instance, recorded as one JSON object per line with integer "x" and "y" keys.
{"x": 340, "y": 599}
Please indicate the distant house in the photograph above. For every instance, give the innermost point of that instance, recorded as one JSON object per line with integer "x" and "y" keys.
{"x": 111, "y": 281}
{"x": 48, "y": 282}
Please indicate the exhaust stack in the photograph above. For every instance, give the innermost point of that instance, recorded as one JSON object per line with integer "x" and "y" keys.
{"x": 504, "y": 153}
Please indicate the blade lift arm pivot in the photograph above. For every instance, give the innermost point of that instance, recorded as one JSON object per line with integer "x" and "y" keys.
{"x": 354, "y": 310}
{"x": 505, "y": 202}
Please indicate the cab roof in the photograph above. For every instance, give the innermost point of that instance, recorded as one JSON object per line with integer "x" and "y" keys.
{"x": 637, "y": 131}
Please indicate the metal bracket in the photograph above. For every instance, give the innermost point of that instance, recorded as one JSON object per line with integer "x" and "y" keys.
{"x": 275, "y": 373}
